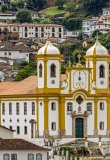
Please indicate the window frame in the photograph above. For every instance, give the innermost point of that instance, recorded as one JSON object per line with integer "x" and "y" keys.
{"x": 25, "y": 130}
{"x": 101, "y": 125}
{"x": 14, "y": 154}
{"x": 17, "y": 108}
{"x": 25, "y": 108}
{"x": 89, "y": 110}
{"x": 38, "y": 158}
{"x": 3, "y": 108}
{"x": 33, "y": 108}
{"x": 52, "y": 70}
{"x": 18, "y": 130}
{"x": 31, "y": 154}
{"x": 102, "y": 75}
{"x": 10, "y": 108}
{"x": 40, "y": 70}
{"x": 69, "y": 108}
{"x": 5, "y": 155}
{"x": 101, "y": 105}
{"x": 53, "y": 106}
{"x": 53, "y": 126}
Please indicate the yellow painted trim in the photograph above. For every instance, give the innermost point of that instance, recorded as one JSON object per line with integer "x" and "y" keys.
{"x": 62, "y": 114}
{"x": 48, "y": 90}
{"x": 45, "y": 114}
{"x": 108, "y": 114}
{"x": 37, "y": 115}
{"x": 95, "y": 113}
{"x": 0, "y": 113}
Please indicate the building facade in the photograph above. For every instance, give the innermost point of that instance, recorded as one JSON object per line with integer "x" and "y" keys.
{"x": 72, "y": 105}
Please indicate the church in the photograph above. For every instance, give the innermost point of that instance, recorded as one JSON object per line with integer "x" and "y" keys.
{"x": 51, "y": 104}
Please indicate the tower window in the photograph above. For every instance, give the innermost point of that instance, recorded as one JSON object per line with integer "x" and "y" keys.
{"x": 53, "y": 126}
{"x": 89, "y": 108}
{"x": 3, "y": 108}
{"x": 52, "y": 70}
{"x": 33, "y": 108}
{"x": 53, "y": 106}
{"x": 101, "y": 125}
{"x": 102, "y": 106}
{"x": 102, "y": 71}
{"x": 69, "y": 108}
{"x": 40, "y": 70}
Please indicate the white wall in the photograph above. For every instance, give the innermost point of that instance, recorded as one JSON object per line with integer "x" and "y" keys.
{"x": 23, "y": 155}
{"x": 21, "y": 117}
{"x": 41, "y": 117}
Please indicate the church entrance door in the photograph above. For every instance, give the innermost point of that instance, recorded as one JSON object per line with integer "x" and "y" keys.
{"x": 79, "y": 131}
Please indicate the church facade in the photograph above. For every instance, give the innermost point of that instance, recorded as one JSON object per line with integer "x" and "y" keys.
{"x": 73, "y": 105}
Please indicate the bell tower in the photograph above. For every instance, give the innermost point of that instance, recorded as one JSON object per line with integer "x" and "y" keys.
{"x": 97, "y": 58}
{"x": 48, "y": 69}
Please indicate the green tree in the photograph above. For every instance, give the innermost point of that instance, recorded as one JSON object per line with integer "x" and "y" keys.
{"x": 71, "y": 7}
{"x": 39, "y": 4}
{"x": 30, "y": 4}
{"x": 23, "y": 16}
{"x": 94, "y": 7}
{"x": 73, "y": 23}
{"x": 4, "y": 8}
{"x": 20, "y": 4}
{"x": 60, "y": 3}
{"x": 25, "y": 70}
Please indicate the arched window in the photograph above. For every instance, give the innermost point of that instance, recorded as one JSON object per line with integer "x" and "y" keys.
{"x": 101, "y": 105}
{"x": 13, "y": 156}
{"x": 30, "y": 156}
{"x": 52, "y": 70}
{"x": 89, "y": 108}
{"x": 101, "y": 71}
{"x": 53, "y": 126}
{"x": 101, "y": 125}
{"x": 40, "y": 70}
{"x": 6, "y": 157}
{"x": 39, "y": 156}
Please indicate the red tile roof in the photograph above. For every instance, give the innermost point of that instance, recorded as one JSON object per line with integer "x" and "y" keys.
{"x": 19, "y": 144}
{"x": 26, "y": 86}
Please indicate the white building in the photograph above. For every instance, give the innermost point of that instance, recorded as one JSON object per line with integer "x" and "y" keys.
{"x": 101, "y": 23}
{"x": 15, "y": 53}
{"x": 73, "y": 105}
{"x": 19, "y": 149}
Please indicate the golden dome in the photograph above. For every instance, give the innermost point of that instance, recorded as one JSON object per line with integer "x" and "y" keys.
{"x": 48, "y": 48}
{"x": 97, "y": 49}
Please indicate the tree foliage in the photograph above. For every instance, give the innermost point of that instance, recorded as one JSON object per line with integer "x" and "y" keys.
{"x": 4, "y": 8}
{"x": 60, "y": 3}
{"x": 25, "y": 70}
{"x": 94, "y": 7}
{"x": 71, "y": 7}
{"x": 23, "y": 16}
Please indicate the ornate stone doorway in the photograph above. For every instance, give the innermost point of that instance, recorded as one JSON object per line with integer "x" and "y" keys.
{"x": 79, "y": 125}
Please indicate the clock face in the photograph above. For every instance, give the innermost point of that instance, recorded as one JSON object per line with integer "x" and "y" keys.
{"x": 53, "y": 81}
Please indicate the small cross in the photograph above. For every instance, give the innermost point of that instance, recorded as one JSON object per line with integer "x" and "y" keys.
{"x": 79, "y": 57}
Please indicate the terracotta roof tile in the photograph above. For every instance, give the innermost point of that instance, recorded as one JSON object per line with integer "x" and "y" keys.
{"x": 27, "y": 86}
{"x": 19, "y": 144}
